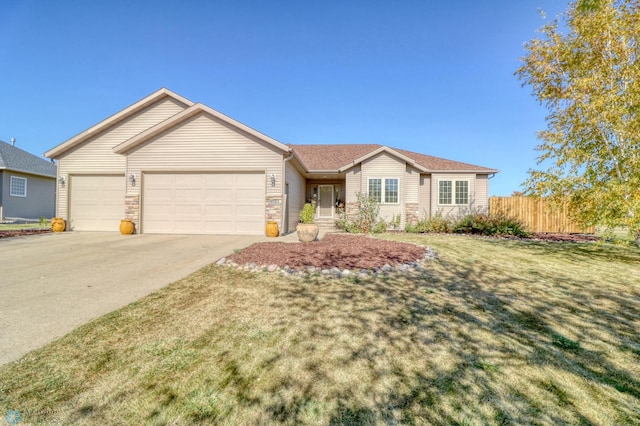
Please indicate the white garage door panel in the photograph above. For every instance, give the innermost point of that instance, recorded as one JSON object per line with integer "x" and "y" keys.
{"x": 205, "y": 203}
{"x": 97, "y": 203}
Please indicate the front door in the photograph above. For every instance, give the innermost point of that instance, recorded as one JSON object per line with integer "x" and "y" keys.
{"x": 325, "y": 201}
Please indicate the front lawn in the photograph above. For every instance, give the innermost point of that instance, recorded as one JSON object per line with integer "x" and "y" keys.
{"x": 493, "y": 332}
{"x": 23, "y": 226}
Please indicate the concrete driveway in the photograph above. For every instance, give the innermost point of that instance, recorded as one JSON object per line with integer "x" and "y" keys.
{"x": 52, "y": 283}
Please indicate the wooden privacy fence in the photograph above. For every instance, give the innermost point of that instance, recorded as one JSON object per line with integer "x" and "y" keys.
{"x": 536, "y": 215}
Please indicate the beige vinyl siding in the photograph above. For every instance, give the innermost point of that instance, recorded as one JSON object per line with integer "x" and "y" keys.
{"x": 424, "y": 195}
{"x": 412, "y": 181}
{"x": 384, "y": 166}
{"x": 203, "y": 143}
{"x": 354, "y": 185}
{"x": 453, "y": 210}
{"x": 482, "y": 192}
{"x": 96, "y": 156}
{"x": 296, "y": 196}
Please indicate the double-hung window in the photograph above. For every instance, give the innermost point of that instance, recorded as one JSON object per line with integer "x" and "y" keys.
{"x": 18, "y": 186}
{"x": 453, "y": 192}
{"x": 375, "y": 189}
{"x": 391, "y": 191}
{"x": 384, "y": 191}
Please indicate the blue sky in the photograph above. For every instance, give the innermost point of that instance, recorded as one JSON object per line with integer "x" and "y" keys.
{"x": 426, "y": 76}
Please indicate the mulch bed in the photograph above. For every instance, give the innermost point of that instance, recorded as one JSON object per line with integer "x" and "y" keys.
{"x": 22, "y": 232}
{"x": 334, "y": 250}
{"x": 346, "y": 251}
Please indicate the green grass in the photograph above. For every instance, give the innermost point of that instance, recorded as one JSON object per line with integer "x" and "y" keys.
{"x": 493, "y": 332}
{"x": 21, "y": 226}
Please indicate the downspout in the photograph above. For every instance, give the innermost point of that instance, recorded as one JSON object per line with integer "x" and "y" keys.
{"x": 285, "y": 227}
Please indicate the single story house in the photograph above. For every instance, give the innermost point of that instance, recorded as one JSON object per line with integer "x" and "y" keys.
{"x": 27, "y": 184}
{"x": 175, "y": 166}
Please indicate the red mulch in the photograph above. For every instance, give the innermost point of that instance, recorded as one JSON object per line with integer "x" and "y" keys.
{"x": 334, "y": 250}
{"x": 22, "y": 232}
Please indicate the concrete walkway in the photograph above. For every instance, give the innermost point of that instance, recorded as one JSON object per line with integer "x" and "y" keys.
{"x": 52, "y": 283}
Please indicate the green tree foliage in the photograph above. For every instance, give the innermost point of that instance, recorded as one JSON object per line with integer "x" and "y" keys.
{"x": 588, "y": 77}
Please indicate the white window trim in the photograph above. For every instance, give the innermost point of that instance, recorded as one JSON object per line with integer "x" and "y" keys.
{"x": 382, "y": 189}
{"x": 453, "y": 192}
{"x": 13, "y": 194}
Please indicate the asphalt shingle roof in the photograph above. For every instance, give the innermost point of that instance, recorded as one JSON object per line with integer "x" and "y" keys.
{"x": 333, "y": 157}
{"x": 12, "y": 158}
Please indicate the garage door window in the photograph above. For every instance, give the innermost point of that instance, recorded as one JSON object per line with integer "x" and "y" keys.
{"x": 18, "y": 187}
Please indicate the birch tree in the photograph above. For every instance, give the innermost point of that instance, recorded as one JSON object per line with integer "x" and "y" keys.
{"x": 583, "y": 67}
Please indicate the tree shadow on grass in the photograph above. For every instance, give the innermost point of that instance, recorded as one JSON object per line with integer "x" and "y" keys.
{"x": 441, "y": 348}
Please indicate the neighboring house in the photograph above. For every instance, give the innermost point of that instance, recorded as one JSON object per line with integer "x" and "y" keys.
{"x": 27, "y": 184}
{"x": 175, "y": 166}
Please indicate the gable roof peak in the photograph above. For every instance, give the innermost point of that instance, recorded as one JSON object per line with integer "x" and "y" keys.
{"x": 184, "y": 115}
{"x": 116, "y": 118}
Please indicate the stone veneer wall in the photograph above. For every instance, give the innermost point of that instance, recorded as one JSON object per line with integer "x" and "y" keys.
{"x": 351, "y": 210}
{"x": 132, "y": 208}
{"x": 273, "y": 210}
{"x": 411, "y": 213}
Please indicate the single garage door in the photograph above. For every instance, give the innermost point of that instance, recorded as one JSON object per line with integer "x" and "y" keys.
{"x": 97, "y": 203}
{"x": 204, "y": 203}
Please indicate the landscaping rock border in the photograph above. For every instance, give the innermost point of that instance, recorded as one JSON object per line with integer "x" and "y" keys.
{"x": 308, "y": 271}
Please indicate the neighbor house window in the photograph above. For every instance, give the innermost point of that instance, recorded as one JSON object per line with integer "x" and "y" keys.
{"x": 453, "y": 192}
{"x": 18, "y": 186}
{"x": 384, "y": 191}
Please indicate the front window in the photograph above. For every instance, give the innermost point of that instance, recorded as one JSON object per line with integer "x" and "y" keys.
{"x": 444, "y": 194}
{"x": 384, "y": 191}
{"x": 391, "y": 191}
{"x": 18, "y": 186}
{"x": 375, "y": 189}
{"x": 453, "y": 192}
{"x": 462, "y": 192}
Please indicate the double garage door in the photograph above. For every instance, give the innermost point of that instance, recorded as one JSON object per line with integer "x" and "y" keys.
{"x": 203, "y": 203}
{"x": 177, "y": 203}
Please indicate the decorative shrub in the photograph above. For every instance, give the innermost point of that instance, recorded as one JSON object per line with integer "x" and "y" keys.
{"x": 437, "y": 223}
{"x": 483, "y": 224}
{"x": 378, "y": 228}
{"x": 476, "y": 223}
{"x": 367, "y": 220}
{"x": 503, "y": 225}
{"x": 308, "y": 213}
{"x": 472, "y": 224}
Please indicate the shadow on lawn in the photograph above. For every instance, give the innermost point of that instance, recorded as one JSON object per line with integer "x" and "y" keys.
{"x": 421, "y": 346}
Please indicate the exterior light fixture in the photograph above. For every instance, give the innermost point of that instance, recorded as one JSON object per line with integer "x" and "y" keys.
{"x": 273, "y": 179}
{"x": 62, "y": 181}
{"x": 132, "y": 179}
